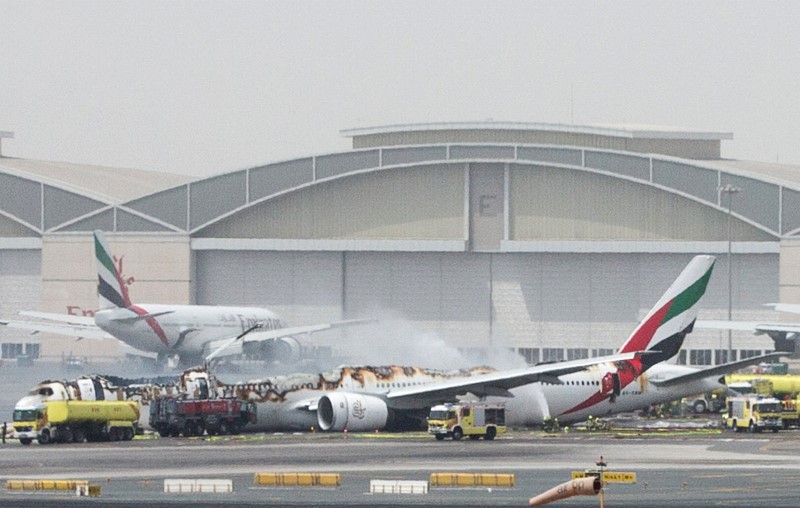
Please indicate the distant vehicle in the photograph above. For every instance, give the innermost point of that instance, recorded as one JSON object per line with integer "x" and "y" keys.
{"x": 777, "y": 385}
{"x": 704, "y": 402}
{"x": 754, "y": 414}
{"x": 471, "y": 419}
{"x": 73, "y": 421}
{"x": 188, "y": 417}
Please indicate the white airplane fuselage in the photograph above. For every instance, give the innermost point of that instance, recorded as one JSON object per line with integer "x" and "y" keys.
{"x": 182, "y": 329}
{"x": 282, "y": 405}
{"x": 523, "y": 409}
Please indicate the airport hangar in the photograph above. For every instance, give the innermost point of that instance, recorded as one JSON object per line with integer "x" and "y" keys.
{"x": 550, "y": 239}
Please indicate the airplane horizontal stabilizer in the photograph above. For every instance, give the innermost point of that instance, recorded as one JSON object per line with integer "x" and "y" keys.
{"x": 715, "y": 371}
{"x": 140, "y": 317}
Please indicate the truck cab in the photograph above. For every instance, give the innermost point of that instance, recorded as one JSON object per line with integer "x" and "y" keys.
{"x": 26, "y": 422}
{"x": 472, "y": 419}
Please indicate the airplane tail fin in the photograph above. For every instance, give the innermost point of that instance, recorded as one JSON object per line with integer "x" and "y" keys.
{"x": 111, "y": 291}
{"x": 668, "y": 322}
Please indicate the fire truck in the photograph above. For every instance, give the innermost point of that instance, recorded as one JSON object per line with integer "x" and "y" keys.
{"x": 193, "y": 417}
{"x": 472, "y": 419}
{"x": 754, "y": 414}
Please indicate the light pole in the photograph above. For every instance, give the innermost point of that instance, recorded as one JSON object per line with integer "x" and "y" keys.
{"x": 730, "y": 190}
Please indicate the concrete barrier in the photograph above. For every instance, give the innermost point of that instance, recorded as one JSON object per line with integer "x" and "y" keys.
{"x": 87, "y": 490}
{"x": 472, "y": 480}
{"x": 398, "y": 487}
{"x": 297, "y": 480}
{"x": 186, "y": 486}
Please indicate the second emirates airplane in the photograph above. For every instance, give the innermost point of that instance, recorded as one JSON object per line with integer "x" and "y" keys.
{"x": 192, "y": 333}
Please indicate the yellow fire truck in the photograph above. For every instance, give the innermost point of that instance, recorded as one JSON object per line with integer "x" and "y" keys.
{"x": 472, "y": 419}
{"x": 754, "y": 414}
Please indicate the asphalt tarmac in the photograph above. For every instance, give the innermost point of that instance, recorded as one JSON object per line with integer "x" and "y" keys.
{"x": 681, "y": 469}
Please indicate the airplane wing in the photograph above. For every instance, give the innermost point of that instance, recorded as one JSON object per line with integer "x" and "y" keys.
{"x": 69, "y": 330}
{"x": 61, "y": 318}
{"x": 714, "y": 371}
{"x": 263, "y": 335}
{"x": 757, "y": 327}
{"x": 785, "y": 307}
{"x": 499, "y": 383}
{"x": 231, "y": 346}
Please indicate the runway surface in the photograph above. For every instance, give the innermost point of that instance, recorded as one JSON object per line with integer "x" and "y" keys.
{"x": 721, "y": 470}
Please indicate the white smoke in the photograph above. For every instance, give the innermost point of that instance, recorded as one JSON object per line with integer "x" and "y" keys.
{"x": 394, "y": 339}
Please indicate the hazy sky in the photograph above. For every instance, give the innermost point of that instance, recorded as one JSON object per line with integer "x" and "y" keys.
{"x": 202, "y": 87}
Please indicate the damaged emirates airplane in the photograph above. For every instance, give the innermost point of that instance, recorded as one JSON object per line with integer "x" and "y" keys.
{"x": 395, "y": 398}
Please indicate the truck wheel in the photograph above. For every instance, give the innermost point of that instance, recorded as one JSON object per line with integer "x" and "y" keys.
{"x": 113, "y": 434}
{"x": 699, "y": 407}
{"x": 457, "y": 434}
{"x": 127, "y": 434}
{"x": 44, "y": 437}
{"x": 223, "y": 428}
{"x": 439, "y": 437}
{"x": 78, "y": 436}
{"x": 491, "y": 432}
{"x": 26, "y": 440}
{"x": 188, "y": 430}
{"x": 163, "y": 432}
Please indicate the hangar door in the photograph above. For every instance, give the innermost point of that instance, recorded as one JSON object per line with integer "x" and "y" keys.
{"x": 20, "y": 289}
{"x": 435, "y": 299}
{"x": 568, "y": 303}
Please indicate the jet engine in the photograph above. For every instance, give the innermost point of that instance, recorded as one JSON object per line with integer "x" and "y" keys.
{"x": 285, "y": 350}
{"x": 354, "y": 412}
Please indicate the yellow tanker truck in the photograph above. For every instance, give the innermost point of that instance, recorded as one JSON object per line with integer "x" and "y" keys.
{"x": 768, "y": 384}
{"x": 73, "y": 421}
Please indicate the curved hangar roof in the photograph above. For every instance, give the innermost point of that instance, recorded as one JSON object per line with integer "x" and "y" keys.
{"x": 409, "y": 187}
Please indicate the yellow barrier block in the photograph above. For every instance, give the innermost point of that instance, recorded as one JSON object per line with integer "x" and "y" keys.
{"x": 465, "y": 480}
{"x": 496, "y": 480}
{"x": 45, "y": 484}
{"x": 94, "y": 490}
{"x": 297, "y": 479}
{"x": 472, "y": 480}
{"x": 330, "y": 480}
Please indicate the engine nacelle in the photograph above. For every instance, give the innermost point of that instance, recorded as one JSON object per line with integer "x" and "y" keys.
{"x": 351, "y": 411}
{"x": 285, "y": 350}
